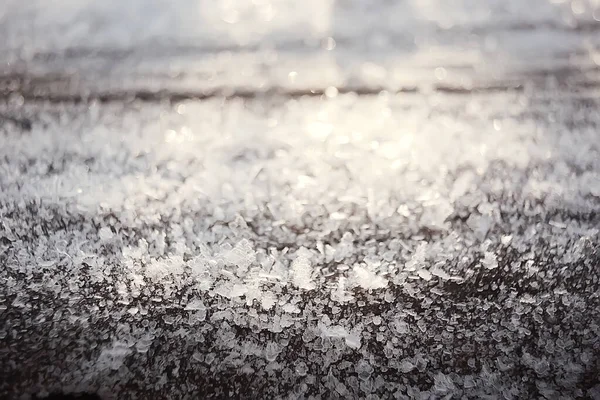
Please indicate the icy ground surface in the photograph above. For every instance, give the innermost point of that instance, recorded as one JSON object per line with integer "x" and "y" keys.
{"x": 392, "y": 246}
{"x": 433, "y": 243}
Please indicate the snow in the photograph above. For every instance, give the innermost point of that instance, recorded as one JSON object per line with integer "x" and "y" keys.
{"x": 368, "y": 279}
{"x": 301, "y": 272}
{"x": 195, "y": 304}
{"x": 105, "y": 234}
{"x": 193, "y": 43}
{"x": 416, "y": 244}
{"x": 272, "y": 350}
{"x": 424, "y": 274}
{"x": 489, "y": 260}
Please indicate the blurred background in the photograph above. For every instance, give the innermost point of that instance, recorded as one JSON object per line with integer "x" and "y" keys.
{"x": 263, "y": 45}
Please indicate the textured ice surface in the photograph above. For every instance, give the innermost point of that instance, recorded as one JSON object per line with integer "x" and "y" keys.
{"x": 131, "y": 258}
{"x": 415, "y": 245}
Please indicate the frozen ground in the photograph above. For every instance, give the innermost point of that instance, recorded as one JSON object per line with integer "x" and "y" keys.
{"x": 275, "y": 201}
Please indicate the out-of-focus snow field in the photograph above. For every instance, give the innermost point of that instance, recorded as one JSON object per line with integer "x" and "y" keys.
{"x": 203, "y": 45}
{"x": 309, "y": 199}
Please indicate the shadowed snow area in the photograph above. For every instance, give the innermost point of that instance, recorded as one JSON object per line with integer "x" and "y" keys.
{"x": 300, "y": 200}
